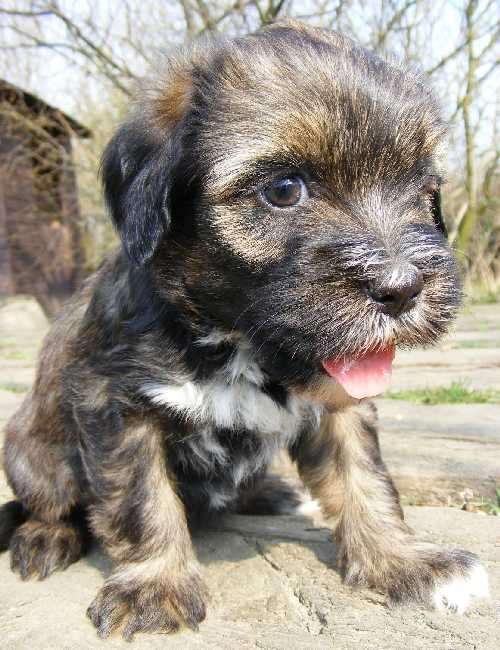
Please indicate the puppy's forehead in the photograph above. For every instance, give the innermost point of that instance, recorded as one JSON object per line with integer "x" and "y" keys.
{"x": 332, "y": 105}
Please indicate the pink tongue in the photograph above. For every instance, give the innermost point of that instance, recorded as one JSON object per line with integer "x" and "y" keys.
{"x": 364, "y": 376}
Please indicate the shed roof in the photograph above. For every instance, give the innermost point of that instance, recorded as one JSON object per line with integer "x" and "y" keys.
{"x": 15, "y": 95}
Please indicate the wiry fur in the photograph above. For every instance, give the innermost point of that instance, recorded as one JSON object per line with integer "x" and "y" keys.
{"x": 342, "y": 467}
{"x": 195, "y": 353}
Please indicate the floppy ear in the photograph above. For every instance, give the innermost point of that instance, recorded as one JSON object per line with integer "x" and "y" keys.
{"x": 135, "y": 174}
{"x": 436, "y": 212}
{"x": 138, "y": 167}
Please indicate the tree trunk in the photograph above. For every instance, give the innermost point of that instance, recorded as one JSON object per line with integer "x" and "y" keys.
{"x": 471, "y": 216}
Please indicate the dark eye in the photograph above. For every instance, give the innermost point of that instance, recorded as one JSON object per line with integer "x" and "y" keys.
{"x": 285, "y": 192}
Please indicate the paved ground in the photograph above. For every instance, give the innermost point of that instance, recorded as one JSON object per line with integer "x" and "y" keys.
{"x": 273, "y": 581}
{"x": 438, "y": 452}
{"x": 273, "y": 586}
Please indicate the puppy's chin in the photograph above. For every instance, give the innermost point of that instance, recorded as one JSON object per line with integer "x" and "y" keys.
{"x": 325, "y": 391}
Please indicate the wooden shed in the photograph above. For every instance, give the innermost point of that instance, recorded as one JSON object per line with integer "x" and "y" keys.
{"x": 40, "y": 244}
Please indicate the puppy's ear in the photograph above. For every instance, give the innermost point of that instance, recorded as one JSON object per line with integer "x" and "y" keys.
{"x": 138, "y": 167}
{"x": 436, "y": 212}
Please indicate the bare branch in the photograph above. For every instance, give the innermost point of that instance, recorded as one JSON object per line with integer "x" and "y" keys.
{"x": 393, "y": 21}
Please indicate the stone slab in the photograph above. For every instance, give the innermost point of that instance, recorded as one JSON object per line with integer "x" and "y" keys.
{"x": 273, "y": 586}
{"x": 436, "y": 454}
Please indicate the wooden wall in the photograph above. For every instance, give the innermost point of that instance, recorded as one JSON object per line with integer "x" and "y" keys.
{"x": 40, "y": 247}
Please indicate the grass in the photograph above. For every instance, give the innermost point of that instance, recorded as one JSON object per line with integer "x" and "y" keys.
{"x": 456, "y": 393}
{"x": 473, "y": 345}
{"x": 489, "y": 506}
{"x": 13, "y": 388}
{"x": 10, "y": 351}
{"x": 484, "y": 297}
{"x": 16, "y": 355}
{"x": 465, "y": 500}
{"x": 481, "y": 293}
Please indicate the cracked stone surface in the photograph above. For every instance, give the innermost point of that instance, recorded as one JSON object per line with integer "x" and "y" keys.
{"x": 273, "y": 586}
{"x": 435, "y": 453}
{"x": 273, "y": 581}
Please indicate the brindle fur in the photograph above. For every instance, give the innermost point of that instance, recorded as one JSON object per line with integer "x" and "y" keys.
{"x": 342, "y": 466}
{"x": 195, "y": 353}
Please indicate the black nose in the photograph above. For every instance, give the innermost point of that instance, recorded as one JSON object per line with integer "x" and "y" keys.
{"x": 396, "y": 289}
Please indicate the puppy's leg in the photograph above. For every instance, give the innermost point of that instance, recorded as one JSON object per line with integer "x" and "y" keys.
{"x": 270, "y": 495}
{"x": 44, "y": 527}
{"x": 156, "y": 584}
{"x": 342, "y": 467}
{"x": 41, "y": 529}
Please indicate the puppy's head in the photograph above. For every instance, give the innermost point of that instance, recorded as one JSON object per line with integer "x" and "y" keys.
{"x": 286, "y": 184}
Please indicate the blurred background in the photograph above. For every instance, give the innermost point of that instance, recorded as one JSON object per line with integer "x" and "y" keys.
{"x": 69, "y": 71}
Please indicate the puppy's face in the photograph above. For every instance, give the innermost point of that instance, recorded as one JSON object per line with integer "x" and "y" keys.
{"x": 289, "y": 190}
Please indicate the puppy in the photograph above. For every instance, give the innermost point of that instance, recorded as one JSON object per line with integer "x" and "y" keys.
{"x": 277, "y": 198}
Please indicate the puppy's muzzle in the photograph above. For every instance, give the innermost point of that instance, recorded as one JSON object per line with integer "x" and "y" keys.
{"x": 396, "y": 289}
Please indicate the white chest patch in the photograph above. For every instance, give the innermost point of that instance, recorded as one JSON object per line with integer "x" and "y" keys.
{"x": 232, "y": 399}
{"x": 232, "y": 403}
{"x": 229, "y": 406}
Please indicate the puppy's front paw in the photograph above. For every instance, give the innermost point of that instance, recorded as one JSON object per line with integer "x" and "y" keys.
{"x": 456, "y": 592}
{"x": 446, "y": 579}
{"x": 426, "y": 573}
{"x": 148, "y": 603}
{"x": 38, "y": 549}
